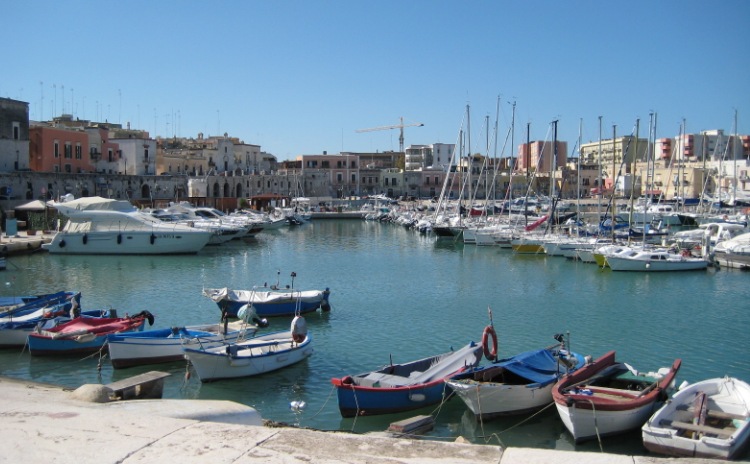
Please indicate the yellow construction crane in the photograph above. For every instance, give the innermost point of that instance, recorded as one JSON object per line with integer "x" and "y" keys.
{"x": 396, "y": 126}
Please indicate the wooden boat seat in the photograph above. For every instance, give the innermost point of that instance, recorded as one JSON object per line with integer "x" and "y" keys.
{"x": 715, "y": 414}
{"x": 720, "y": 433}
{"x": 614, "y": 391}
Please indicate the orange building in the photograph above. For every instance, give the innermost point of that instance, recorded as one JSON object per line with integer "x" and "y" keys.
{"x": 56, "y": 149}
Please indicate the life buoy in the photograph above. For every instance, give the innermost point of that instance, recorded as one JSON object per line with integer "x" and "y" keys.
{"x": 489, "y": 352}
{"x": 299, "y": 329}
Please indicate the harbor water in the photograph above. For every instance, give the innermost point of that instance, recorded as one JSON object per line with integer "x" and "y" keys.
{"x": 398, "y": 295}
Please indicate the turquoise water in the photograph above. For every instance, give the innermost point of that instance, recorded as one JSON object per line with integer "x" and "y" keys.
{"x": 395, "y": 293}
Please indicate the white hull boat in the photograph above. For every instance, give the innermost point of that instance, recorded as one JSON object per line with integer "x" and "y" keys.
{"x": 166, "y": 345}
{"x": 98, "y": 226}
{"x": 707, "y": 419}
{"x": 252, "y": 357}
{"x": 656, "y": 260}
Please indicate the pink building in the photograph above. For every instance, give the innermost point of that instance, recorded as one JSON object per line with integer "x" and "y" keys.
{"x": 529, "y": 156}
{"x": 55, "y": 149}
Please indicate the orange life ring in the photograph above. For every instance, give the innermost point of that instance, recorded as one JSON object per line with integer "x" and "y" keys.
{"x": 489, "y": 353}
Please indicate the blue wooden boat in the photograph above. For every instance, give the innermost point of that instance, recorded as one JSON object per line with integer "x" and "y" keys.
{"x": 83, "y": 335}
{"x": 20, "y": 305}
{"x": 269, "y": 301}
{"x": 403, "y": 387}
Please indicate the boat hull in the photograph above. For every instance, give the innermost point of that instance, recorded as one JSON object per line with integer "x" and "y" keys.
{"x": 128, "y": 243}
{"x": 403, "y": 387}
{"x": 365, "y": 401}
{"x": 590, "y": 410}
{"x": 80, "y": 336}
{"x": 270, "y": 303}
{"x": 166, "y": 345}
{"x": 728, "y": 410}
{"x": 732, "y": 260}
{"x": 249, "y": 358}
{"x": 516, "y": 385}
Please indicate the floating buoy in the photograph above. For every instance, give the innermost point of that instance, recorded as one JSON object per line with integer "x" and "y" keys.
{"x": 297, "y": 405}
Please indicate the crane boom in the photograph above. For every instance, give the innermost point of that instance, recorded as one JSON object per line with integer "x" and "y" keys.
{"x": 395, "y": 126}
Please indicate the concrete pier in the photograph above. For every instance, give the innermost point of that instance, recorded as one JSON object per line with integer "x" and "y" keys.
{"x": 45, "y": 423}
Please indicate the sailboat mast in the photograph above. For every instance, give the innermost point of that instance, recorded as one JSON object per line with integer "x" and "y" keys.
{"x": 612, "y": 175}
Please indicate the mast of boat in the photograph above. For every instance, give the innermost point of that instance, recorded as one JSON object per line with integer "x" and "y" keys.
{"x": 612, "y": 175}
{"x": 735, "y": 141}
{"x": 528, "y": 180}
{"x": 632, "y": 171}
{"x": 578, "y": 182}
{"x": 600, "y": 193}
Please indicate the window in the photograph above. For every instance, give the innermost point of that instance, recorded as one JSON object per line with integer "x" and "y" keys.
{"x": 339, "y": 178}
{"x": 354, "y": 178}
{"x": 79, "y": 151}
{"x": 68, "y": 151}
{"x": 57, "y": 149}
{"x": 16, "y": 131}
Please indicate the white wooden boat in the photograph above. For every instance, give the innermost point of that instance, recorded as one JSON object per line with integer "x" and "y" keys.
{"x": 129, "y": 349}
{"x": 255, "y": 356}
{"x": 707, "y": 419}
{"x": 608, "y": 397}
{"x": 654, "y": 260}
{"x": 517, "y": 385}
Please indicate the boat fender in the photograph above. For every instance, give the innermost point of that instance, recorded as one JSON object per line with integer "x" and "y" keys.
{"x": 153, "y": 239}
{"x": 119, "y": 239}
{"x": 489, "y": 352}
{"x": 62, "y": 244}
{"x": 299, "y": 329}
{"x": 347, "y": 380}
{"x": 85, "y": 238}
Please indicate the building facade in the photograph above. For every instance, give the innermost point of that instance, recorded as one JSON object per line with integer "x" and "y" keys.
{"x": 14, "y": 135}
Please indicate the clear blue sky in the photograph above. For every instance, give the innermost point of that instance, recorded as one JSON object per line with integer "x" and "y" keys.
{"x": 300, "y": 77}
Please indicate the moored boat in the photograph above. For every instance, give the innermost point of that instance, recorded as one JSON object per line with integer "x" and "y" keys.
{"x": 403, "y": 387}
{"x": 516, "y": 385}
{"x": 269, "y": 301}
{"x": 254, "y": 356}
{"x": 707, "y": 419}
{"x": 99, "y": 226}
{"x": 83, "y": 335}
{"x": 655, "y": 260}
{"x": 166, "y": 345}
{"x": 607, "y": 397}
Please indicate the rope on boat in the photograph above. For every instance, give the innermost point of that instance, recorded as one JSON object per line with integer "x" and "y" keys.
{"x": 596, "y": 426}
{"x": 333, "y": 388}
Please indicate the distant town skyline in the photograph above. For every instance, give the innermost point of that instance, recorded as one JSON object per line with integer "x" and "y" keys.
{"x": 303, "y": 77}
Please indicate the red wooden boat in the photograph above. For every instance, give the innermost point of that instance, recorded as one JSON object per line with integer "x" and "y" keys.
{"x": 84, "y": 335}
